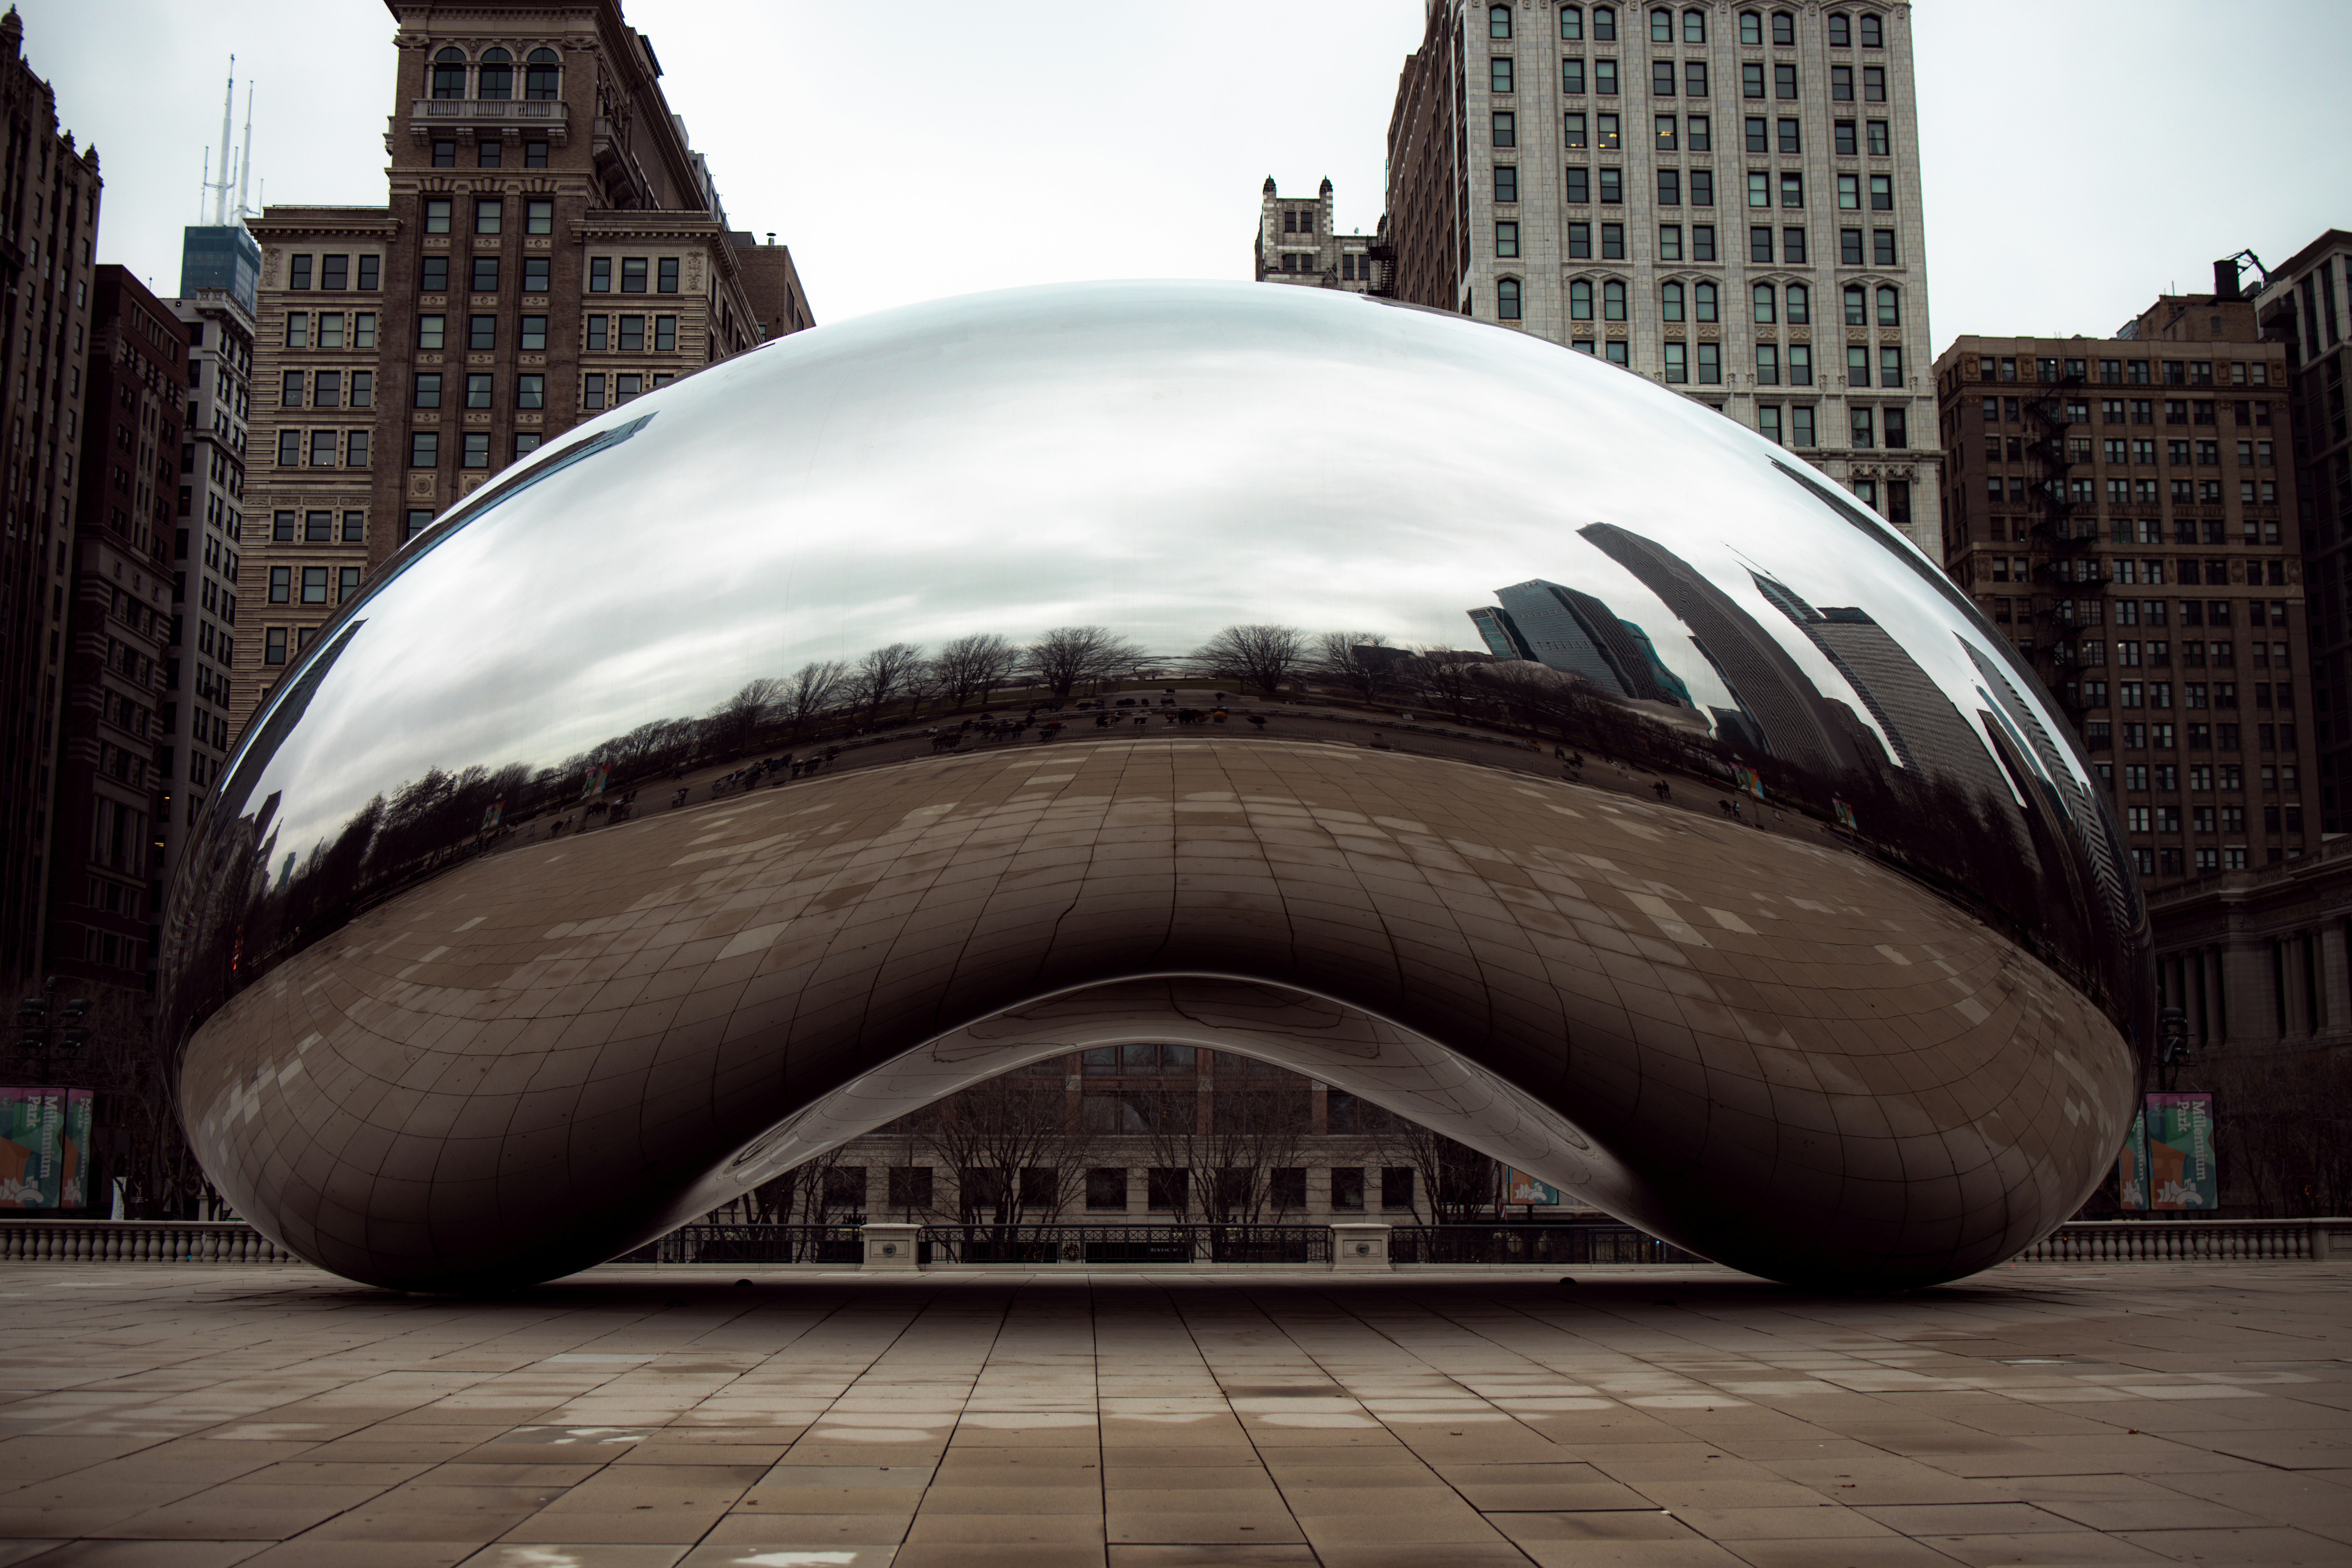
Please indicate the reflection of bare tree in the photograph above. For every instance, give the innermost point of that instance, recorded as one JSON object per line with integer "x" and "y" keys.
{"x": 970, "y": 667}
{"x": 1361, "y": 661}
{"x": 1067, "y": 655}
{"x": 884, "y": 676}
{"x": 735, "y": 722}
{"x": 810, "y": 690}
{"x": 1447, "y": 677}
{"x": 1265, "y": 656}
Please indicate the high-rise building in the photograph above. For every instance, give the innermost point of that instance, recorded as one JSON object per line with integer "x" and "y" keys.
{"x": 1297, "y": 243}
{"x": 2124, "y": 510}
{"x": 551, "y": 247}
{"x": 208, "y": 539}
{"x": 46, "y": 237}
{"x": 1725, "y": 201}
{"x": 2306, "y": 305}
{"x": 107, "y": 864}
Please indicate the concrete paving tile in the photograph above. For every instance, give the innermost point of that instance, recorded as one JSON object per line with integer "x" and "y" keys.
{"x": 945, "y": 1527}
{"x": 1837, "y": 1551}
{"x": 1825, "y": 1522}
{"x": 1217, "y": 1555}
{"x": 670, "y": 1526}
{"x": 767, "y": 1551}
{"x": 150, "y": 1553}
{"x": 1968, "y": 1518}
{"x": 2272, "y": 1546}
{"x": 831, "y": 1531}
{"x": 574, "y": 1554}
{"x": 241, "y": 1512}
{"x": 2071, "y": 1549}
{"x": 991, "y": 1554}
{"x": 312, "y": 1552}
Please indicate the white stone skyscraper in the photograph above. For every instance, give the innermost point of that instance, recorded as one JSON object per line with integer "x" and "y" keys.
{"x": 1724, "y": 198}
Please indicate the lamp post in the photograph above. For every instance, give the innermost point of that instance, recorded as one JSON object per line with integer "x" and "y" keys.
{"x": 2171, "y": 1048}
{"x": 41, "y": 1036}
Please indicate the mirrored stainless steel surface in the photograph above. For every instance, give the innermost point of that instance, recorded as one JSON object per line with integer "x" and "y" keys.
{"x": 426, "y": 1049}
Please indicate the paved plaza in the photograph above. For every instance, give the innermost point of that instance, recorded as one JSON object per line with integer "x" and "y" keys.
{"x": 636, "y": 1417}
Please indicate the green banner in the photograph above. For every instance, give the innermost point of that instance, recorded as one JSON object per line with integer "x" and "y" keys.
{"x": 2167, "y": 1162}
{"x": 44, "y": 1148}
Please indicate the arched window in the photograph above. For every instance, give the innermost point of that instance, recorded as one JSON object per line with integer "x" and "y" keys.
{"x": 1801, "y": 304}
{"x": 1874, "y": 33}
{"x": 1784, "y": 30}
{"x": 1662, "y": 25}
{"x": 498, "y": 74}
{"x": 541, "y": 75}
{"x": 1703, "y": 303}
{"x": 1580, "y": 300}
{"x": 1498, "y": 21}
{"x": 1694, "y": 26}
{"x": 1507, "y": 298}
{"x": 1765, "y": 310}
{"x": 1670, "y": 302}
{"x": 1613, "y": 301}
{"x": 1605, "y": 24}
{"x": 449, "y": 74}
{"x": 1840, "y": 30}
{"x": 1572, "y": 23}
{"x": 1751, "y": 29}
{"x": 1890, "y": 308}
{"x": 1855, "y": 315}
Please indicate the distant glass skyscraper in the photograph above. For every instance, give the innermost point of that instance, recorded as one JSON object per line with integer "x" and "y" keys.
{"x": 225, "y": 257}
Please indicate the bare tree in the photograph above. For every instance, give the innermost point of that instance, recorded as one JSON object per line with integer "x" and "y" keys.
{"x": 1455, "y": 1183}
{"x": 1258, "y": 1120}
{"x": 1446, "y": 679}
{"x": 1265, "y": 656}
{"x": 810, "y": 690}
{"x": 1015, "y": 1157}
{"x": 1067, "y": 655}
{"x": 971, "y": 667}
{"x": 883, "y": 676}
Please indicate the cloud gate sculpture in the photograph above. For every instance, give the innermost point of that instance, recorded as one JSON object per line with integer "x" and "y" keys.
{"x": 1886, "y": 1039}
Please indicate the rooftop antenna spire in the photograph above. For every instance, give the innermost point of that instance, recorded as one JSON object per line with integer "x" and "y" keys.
{"x": 245, "y": 160}
{"x": 219, "y": 188}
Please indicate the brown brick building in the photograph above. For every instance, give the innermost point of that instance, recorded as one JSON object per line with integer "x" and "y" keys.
{"x": 552, "y": 247}
{"x": 107, "y": 851}
{"x": 2124, "y": 510}
{"x": 48, "y": 220}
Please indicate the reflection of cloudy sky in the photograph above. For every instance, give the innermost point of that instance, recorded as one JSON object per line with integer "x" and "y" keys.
{"x": 1164, "y": 459}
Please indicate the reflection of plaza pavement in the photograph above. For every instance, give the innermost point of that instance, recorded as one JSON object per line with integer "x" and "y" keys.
{"x": 635, "y": 1417}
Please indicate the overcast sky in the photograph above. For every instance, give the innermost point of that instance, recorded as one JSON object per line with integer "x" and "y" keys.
{"x": 2080, "y": 157}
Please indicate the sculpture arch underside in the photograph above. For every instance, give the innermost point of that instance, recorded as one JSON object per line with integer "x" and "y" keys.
{"x": 1763, "y": 1047}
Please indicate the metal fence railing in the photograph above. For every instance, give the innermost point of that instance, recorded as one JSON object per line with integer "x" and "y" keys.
{"x": 1548, "y": 1245}
{"x": 137, "y": 1241}
{"x": 2166, "y": 1241}
{"x": 706, "y": 1243}
{"x": 1042, "y": 1243}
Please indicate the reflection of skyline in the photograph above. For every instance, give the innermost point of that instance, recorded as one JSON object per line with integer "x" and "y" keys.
{"x": 1573, "y": 631}
{"x": 1924, "y": 729}
{"x": 1777, "y": 700}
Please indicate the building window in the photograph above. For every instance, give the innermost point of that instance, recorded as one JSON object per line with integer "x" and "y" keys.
{"x": 488, "y": 155}
{"x": 355, "y": 528}
{"x": 1874, "y": 84}
{"x": 370, "y": 270}
{"x": 1882, "y": 193}
{"x": 1863, "y": 429}
{"x": 430, "y": 331}
{"x": 485, "y": 275}
{"x": 1759, "y": 244}
{"x": 1612, "y": 242}
{"x": 481, "y": 333}
{"x": 536, "y": 273}
{"x": 432, "y": 275}
{"x": 289, "y": 390}
{"x": 1507, "y": 243}
{"x": 1396, "y": 1187}
{"x": 539, "y": 217}
{"x": 1572, "y": 23}
{"x": 632, "y": 332}
{"x": 346, "y": 585}
{"x": 625, "y": 387}
{"x": 1694, "y": 78}
{"x": 1890, "y": 308}
{"x": 1703, "y": 303}
{"x": 1580, "y": 300}
{"x": 478, "y": 390}
{"x": 445, "y": 154}
{"x": 633, "y": 275}
{"x": 1799, "y": 308}
{"x": 1670, "y": 302}
{"x": 1793, "y": 190}
{"x": 1662, "y": 79}
{"x": 1890, "y": 367}
{"x": 1579, "y": 185}
{"x": 665, "y": 269}
{"x": 488, "y": 214}
{"x": 1670, "y": 242}
{"x": 1751, "y": 80}
{"x": 1801, "y": 425}
{"x": 1572, "y": 78}
{"x": 297, "y": 272}
{"x": 600, "y": 275}
{"x": 314, "y": 584}
{"x": 1507, "y": 189}
{"x": 1881, "y": 247}
{"x": 531, "y": 335}
{"x": 423, "y": 448}
{"x": 1612, "y": 187}
{"x": 273, "y": 645}
{"x": 476, "y": 449}
{"x": 426, "y": 391}
{"x": 449, "y": 74}
{"x": 1507, "y": 291}
{"x": 531, "y": 391}
{"x": 1801, "y": 364}
{"x": 281, "y": 584}
{"x": 298, "y": 329}
{"x": 1710, "y": 364}
{"x": 1677, "y": 365}
{"x": 1613, "y": 301}
{"x": 1605, "y": 78}
{"x": 1766, "y": 315}
{"x": 1784, "y": 82}
{"x": 542, "y": 74}
{"x": 592, "y": 394}
{"x": 289, "y": 448}
{"x": 1498, "y": 74}
{"x": 1507, "y": 132}
{"x": 356, "y": 449}
{"x": 1670, "y": 187}
{"x": 1703, "y": 242}
{"x": 437, "y": 214}
{"x": 1767, "y": 364}
{"x": 282, "y": 528}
